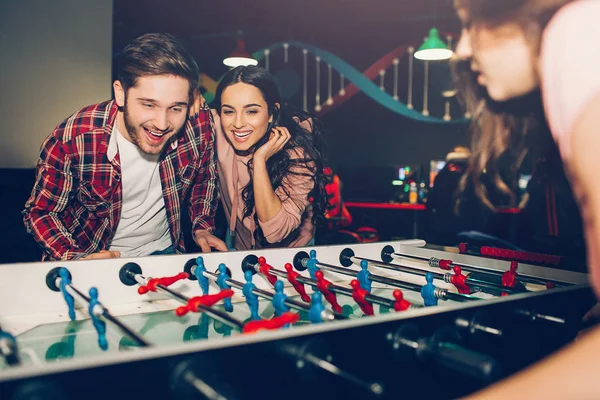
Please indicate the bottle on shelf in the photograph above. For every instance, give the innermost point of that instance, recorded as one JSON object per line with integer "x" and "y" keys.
{"x": 413, "y": 196}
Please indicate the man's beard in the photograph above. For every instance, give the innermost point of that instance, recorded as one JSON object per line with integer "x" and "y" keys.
{"x": 136, "y": 131}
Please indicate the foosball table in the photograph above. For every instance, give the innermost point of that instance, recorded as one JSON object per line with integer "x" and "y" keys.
{"x": 377, "y": 320}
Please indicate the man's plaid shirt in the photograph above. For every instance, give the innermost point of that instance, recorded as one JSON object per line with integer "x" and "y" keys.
{"x": 76, "y": 201}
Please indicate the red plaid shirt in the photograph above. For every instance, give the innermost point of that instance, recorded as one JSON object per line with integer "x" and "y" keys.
{"x": 75, "y": 204}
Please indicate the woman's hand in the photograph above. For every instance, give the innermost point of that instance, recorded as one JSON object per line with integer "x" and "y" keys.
{"x": 279, "y": 137}
{"x": 196, "y": 105}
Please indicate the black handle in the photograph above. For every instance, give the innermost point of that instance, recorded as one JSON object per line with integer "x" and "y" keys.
{"x": 477, "y": 365}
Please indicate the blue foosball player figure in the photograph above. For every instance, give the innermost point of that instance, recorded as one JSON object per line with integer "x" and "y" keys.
{"x": 363, "y": 276}
{"x": 251, "y": 298}
{"x": 222, "y": 329}
{"x": 198, "y": 272}
{"x": 311, "y": 265}
{"x": 316, "y": 308}
{"x": 9, "y": 347}
{"x": 98, "y": 323}
{"x": 428, "y": 291}
{"x": 65, "y": 280}
{"x": 222, "y": 282}
{"x": 279, "y": 299}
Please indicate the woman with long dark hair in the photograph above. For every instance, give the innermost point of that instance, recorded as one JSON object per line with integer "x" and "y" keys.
{"x": 270, "y": 161}
{"x": 541, "y": 53}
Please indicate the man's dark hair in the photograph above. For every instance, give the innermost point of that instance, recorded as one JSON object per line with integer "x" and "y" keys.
{"x": 156, "y": 54}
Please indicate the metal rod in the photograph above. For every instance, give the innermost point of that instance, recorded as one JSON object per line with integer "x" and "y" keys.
{"x": 106, "y": 314}
{"x": 259, "y": 292}
{"x": 441, "y": 293}
{"x": 373, "y": 277}
{"x": 533, "y": 315}
{"x": 371, "y": 298}
{"x": 297, "y": 305}
{"x": 478, "y": 283}
{"x": 374, "y": 387}
{"x": 395, "y": 267}
{"x": 304, "y": 357}
{"x": 482, "y": 269}
{"x": 488, "y": 329}
{"x": 481, "y": 284}
{"x": 196, "y": 382}
{"x": 466, "y": 324}
{"x": 216, "y": 314}
{"x": 459, "y": 297}
{"x": 202, "y": 387}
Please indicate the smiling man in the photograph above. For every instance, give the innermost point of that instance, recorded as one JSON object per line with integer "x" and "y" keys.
{"x": 113, "y": 177}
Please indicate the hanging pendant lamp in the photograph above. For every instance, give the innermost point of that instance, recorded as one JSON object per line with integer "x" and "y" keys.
{"x": 433, "y": 48}
{"x": 240, "y": 56}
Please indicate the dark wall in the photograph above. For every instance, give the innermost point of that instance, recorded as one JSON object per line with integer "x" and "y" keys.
{"x": 360, "y": 32}
{"x": 16, "y": 245}
{"x": 363, "y": 133}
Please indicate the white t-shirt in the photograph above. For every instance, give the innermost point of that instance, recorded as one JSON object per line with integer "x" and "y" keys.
{"x": 143, "y": 227}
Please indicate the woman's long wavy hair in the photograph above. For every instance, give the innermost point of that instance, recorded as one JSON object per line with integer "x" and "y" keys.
{"x": 308, "y": 147}
{"x": 501, "y": 132}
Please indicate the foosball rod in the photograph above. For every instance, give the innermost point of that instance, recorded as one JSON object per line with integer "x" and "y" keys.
{"x": 133, "y": 271}
{"x": 54, "y": 278}
{"x": 388, "y": 253}
{"x": 440, "y": 293}
{"x": 323, "y": 364}
{"x": 304, "y": 356}
{"x": 333, "y": 288}
{"x": 101, "y": 310}
{"x": 348, "y": 258}
{"x": 207, "y": 391}
{"x": 326, "y": 315}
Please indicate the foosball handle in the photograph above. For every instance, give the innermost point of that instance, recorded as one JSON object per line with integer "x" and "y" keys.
{"x": 477, "y": 365}
{"x": 314, "y": 356}
{"x": 443, "y": 348}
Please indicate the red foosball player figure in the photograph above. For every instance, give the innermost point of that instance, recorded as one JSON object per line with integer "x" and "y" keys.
{"x": 337, "y": 212}
{"x": 400, "y": 304}
{"x": 460, "y": 281}
{"x": 509, "y": 278}
{"x": 323, "y": 286}
{"x": 273, "y": 323}
{"x": 264, "y": 269}
{"x": 292, "y": 277}
{"x": 359, "y": 295}
{"x": 207, "y": 300}
{"x": 166, "y": 281}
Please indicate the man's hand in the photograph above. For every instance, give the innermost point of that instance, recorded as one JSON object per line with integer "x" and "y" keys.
{"x": 206, "y": 240}
{"x": 102, "y": 254}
